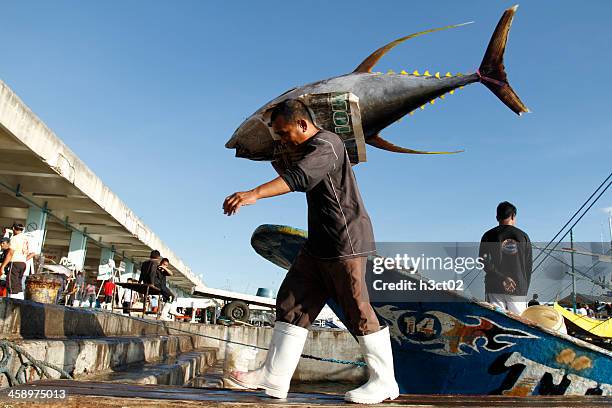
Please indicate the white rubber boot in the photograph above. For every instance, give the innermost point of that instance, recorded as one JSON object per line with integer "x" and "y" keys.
{"x": 19, "y": 295}
{"x": 282, "y": 359}
{"x": 381, "y": 385}
{"x": 165, "y": 312}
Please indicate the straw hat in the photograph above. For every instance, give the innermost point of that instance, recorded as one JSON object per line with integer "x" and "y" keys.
{"x": 546, "y": 317}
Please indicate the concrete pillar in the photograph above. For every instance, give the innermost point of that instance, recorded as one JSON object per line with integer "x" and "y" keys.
{"x": 106, "y": 254}
{"x": 35, "y": 226}
{"x": 129, "y": 269}
{"x": 77, "y": 250}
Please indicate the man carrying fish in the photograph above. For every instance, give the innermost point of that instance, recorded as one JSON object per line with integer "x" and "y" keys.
{"x": 331, "y": 264}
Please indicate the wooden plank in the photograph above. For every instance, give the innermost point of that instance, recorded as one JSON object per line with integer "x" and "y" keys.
{"x": 100, "y": 394}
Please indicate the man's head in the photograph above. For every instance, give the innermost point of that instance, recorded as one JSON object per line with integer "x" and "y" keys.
{"x": 506, "y": 213}
{"x": 535, "y": 296}
{"x": 5, "y": 243}
{"x": 130, "y": 280}
{"x": 17, "y": 228}
{"x": 155, "y": 254}
{"x": 165, "y": 263}
{"x": 291, "y": 121}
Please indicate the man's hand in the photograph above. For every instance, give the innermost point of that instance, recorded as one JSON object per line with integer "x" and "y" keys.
{"x": 273, "y": 188}
{"x": 509, "y": 285}
{"x": 232, "y": 203}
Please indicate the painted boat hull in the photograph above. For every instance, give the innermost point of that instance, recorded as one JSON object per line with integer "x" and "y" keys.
{"x": 462, "y": 346}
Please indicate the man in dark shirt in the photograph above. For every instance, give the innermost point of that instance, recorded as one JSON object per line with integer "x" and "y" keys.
{"x": 148, "y": 270}
{"x": 331, "y": 264}
{"x": 533, "y": 301}
{"x": 507, "y": 256}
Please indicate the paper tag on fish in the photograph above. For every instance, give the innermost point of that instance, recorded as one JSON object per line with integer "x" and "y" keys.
{"x": 339, "y": 112}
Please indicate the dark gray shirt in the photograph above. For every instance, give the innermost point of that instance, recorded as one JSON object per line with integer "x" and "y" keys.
{"x": 148, "y": 272}
{"x": 338, "y": 224}
{"x": 506, "y": 252}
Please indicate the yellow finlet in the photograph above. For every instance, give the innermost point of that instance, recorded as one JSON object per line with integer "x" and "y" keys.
{"x": 442, "y": 96}
{"x": 448, "y": 74}
{"x": 389, "y": 72}
{"x": 422, "y": 107}
{"x": 402, "y": 72}
{"x": 416, "y": 73}
{"x": 437, "y": 75}
{"x": 461, "y": 87}
{"x": 411, "y": 113}
{"x": 426, "y": 73}
{"x": 432, "y": 101}
{"x": 451, "y": 92}
{"x": 459, "y": 74}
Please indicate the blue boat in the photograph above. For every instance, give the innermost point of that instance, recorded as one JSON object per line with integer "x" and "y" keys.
{"x": 456, "y": 345}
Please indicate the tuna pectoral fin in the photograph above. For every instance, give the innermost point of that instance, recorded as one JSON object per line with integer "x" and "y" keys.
{"x": 491, "y": 71}
{"x": 368, "y": 63}
{"x": 383, "y": 144}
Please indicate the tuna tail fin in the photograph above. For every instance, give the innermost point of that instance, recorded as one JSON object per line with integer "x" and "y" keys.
{"x": 491, "y": 71}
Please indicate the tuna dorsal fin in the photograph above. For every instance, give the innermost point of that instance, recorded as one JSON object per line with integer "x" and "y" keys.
{"x": 370, "y": 62}
{"x": 383, "y": 144}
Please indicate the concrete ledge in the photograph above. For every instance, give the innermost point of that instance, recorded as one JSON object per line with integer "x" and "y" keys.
{"x": 178, "y": 371}
{"x": 83, "y": 357}
{"x": 23, "y": 319}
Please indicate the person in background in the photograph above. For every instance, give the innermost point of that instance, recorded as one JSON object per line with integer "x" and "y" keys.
{"x": 90, "y": 294}
{"x": 15, "y": 259}
{"x": 79, "y": 289}
{"x": 507, "y": 257}
{"x": 128, "y": 298}
{"x": 149, "y": 275}
{"x": 109, "y": 291}
{"x": 153, "y": 304}
{"x": 148, "y": 270}
{"x": 4, "y": 247}
{"x": 533, "y": 301}
{"x": 167, "y": 295}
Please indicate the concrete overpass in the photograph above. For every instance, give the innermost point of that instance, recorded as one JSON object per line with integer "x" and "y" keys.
{"x": 66, "y": 208}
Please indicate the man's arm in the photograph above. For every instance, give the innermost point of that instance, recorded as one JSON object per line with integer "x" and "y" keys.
{"x": 142, "y": 273}
{"x": 489, "y": 264}
{"x": 529, "y": 260}
{"x": 273, "y": 188}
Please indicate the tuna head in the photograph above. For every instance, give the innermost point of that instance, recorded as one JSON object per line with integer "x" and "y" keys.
{"x": 253, "y": 140}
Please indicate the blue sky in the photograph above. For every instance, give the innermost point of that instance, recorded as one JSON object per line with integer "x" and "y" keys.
{"x": 148, "y": 92}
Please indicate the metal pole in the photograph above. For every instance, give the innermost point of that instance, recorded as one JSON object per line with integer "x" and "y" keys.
{"x": 610, "y": 225}
{"x": 573, "y": 270}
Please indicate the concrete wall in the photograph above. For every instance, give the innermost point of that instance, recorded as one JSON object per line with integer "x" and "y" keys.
{"x": 326, "y": 343}
{"x": 26, "y": 320}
